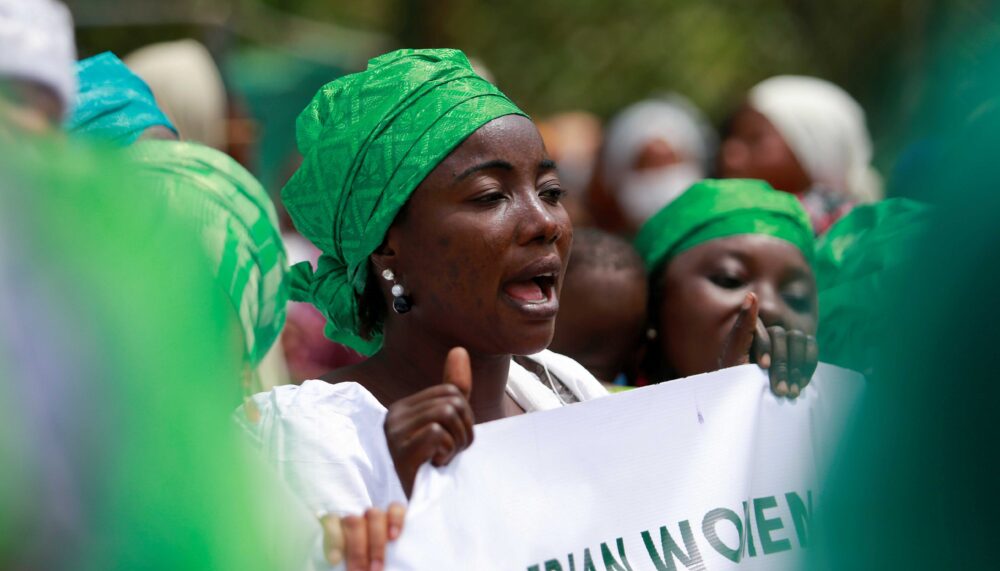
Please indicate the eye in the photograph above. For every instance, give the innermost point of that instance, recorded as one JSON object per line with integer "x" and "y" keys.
{"x": 552, "y": 194}
{"x": 798, "y": 302}
{"x": 727, "y": 281}
{"x": 490, "y": 197}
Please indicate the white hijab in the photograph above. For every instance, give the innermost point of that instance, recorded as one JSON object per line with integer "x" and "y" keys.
{"x": 825, "y": 129}
{"x": 36, "y": 44}
{"x": 533, "y": 393}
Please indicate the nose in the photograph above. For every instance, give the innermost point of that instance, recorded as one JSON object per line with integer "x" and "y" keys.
{"x": 733, "y": 158}
{"x": 769, "y": 306}
{"x": 540, "y": 221}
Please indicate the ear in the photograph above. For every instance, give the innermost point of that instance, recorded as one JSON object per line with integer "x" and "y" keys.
{"x": 385, "y": 256}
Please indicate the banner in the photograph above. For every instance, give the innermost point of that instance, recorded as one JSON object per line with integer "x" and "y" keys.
{"x": 708, "y": 472}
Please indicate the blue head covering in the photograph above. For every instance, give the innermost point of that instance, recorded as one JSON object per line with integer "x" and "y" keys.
{"x": 113, "y": 104}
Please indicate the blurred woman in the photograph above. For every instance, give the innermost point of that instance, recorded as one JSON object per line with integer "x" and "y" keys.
{"x": 805, "y": 136}
{"x": 653, "y": 150}
{"x": 731, "y": 282}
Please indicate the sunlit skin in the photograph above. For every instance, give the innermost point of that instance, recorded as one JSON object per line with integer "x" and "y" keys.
{"x": 755, "y": 149}
{"x": 703, "y": 290}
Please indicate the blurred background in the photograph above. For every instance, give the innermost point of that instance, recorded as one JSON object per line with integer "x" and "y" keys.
{"x": 555, "y": 56}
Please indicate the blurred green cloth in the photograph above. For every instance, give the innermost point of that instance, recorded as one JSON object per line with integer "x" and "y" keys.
{"x": 854, "y": 261}
{"x": 115, "y": 347}
{"x": 368, "y": 139}
{"x": 237, "y": 225}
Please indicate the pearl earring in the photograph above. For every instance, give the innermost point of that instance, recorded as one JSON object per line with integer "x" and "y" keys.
{"x": 400, "y": 303}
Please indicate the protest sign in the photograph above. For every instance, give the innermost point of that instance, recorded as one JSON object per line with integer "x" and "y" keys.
{"x": 709, "y": 472}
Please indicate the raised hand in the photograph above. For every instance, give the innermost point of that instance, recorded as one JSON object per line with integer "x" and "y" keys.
{"x": 434, "y": 424}
{"x": 790, "y": 356}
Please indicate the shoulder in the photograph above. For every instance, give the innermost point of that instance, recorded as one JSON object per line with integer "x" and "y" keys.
{"x": 570, "y": 373}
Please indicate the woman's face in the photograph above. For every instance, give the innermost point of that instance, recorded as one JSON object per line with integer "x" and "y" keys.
{"x": 703, "y": 288}
{"x": 482, "y": 245}
{"x": 755, "y": 149}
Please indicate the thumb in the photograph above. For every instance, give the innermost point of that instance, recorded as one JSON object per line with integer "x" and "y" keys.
{"x": 458, "y": 370}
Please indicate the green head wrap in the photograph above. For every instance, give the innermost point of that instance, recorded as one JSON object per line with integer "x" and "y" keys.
{"x": 368, "y": 139}
{"x": 713, "y": 209}
{"x": 238, "y": 227}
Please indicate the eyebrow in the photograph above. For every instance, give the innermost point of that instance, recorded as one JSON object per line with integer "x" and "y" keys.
{"x": 547, "y": 165}
{"x": 494, "y": 164}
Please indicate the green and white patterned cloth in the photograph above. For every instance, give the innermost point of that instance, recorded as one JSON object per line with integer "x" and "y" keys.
{"x": 238, "y": 228}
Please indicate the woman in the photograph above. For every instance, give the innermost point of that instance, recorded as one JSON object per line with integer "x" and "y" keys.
{"x": 438, "y": 213}
{"x": 731, "y": 281}
{"x": 653, "y": 150}
{"x": 805, "y": 136}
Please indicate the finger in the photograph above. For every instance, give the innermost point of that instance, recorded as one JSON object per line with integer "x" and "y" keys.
{"x": 453, "y": 414}
{"x": 355, "y": 543}
{"x": 811, "y": 361}
{"x": 761, "y": 348}
{"x": 333, "y": 539}
{"x": 458, "y": 370}
{"x": 796, "y": 361}
{"x": 736, "y": 350}
{"x": 395, "y": 516}
{"x": 431, "y": 443}
{"x": 376, "y": 538}
{"x": 779, "y": 361}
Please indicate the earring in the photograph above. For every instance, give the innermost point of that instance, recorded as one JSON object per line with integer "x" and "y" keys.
{"x": 400, "y": 303}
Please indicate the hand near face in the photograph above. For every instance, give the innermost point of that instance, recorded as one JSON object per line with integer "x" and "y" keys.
{"x": 790, "y": 356}
{"x": 359, "y": 541}
{"x": 434, "y": 424}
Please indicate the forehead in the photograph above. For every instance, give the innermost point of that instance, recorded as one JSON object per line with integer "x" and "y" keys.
{"x": 760, "y": 251}
{"x": 513, "y": 138}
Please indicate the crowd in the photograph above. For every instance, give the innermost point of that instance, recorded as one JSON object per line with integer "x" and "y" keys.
{"x": 173, "y": 349}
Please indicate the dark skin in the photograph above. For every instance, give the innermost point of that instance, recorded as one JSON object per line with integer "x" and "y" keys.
{"x": 468, "y": 247}
{"x": 755, "y": 149}
{"x": 735, "y": 300}
{"x": 602, "y": 320}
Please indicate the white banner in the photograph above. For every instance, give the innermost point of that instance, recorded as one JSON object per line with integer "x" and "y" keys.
{"x": 709, "y": 472}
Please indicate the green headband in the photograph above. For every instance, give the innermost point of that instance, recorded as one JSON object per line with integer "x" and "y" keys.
{"x": 238, "y": 227}
{"x": 368, "y": 139}
{"x": 713, "y": 209}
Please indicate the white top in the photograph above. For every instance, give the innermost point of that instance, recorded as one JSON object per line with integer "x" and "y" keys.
{"x": 327, "y": 440}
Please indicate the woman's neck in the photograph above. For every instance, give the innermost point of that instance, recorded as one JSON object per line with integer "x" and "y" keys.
{"x": 410, "y": 362}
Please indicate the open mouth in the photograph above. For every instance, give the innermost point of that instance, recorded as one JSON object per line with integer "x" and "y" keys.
{"x": 538, "y": 289}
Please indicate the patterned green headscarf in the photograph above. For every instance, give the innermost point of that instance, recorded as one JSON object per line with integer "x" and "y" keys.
{"x": 368, "y": 139}
{"x": 713, "y": 209}
{"x": 239, "y": 229}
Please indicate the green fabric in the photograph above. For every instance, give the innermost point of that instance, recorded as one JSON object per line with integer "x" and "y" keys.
{"x": 713, "y": 209}
{"x": 113, "y": 347}
{"x": 853, "y": 261}
{"x": 238, "y": 227}
{"x": 368, "y": 139}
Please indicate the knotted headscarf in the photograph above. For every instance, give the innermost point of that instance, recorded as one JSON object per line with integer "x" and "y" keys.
{"x": 238, "y": 227}
{"x": 368, "y": 139}
{"x": 714, "y": 209}
{"x": 113, "y": 104}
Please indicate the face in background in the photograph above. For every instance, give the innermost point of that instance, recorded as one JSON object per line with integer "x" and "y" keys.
{"x": 602, "y": 319}
{"x": 482, "y": 244}
{"x": 29, "y": 107}
{"x": 755, "y": 149}
{"x": 701, "y": 290}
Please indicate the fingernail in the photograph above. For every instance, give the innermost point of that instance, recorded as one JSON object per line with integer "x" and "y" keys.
{"x": 782, "y": 388}
{"x": 765, "y": 361}
{"x": 747, "y": 302}
{"x": 376, "y": 566}
{"x": 794, "y": 390}
{"x": 393, "y": 531}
